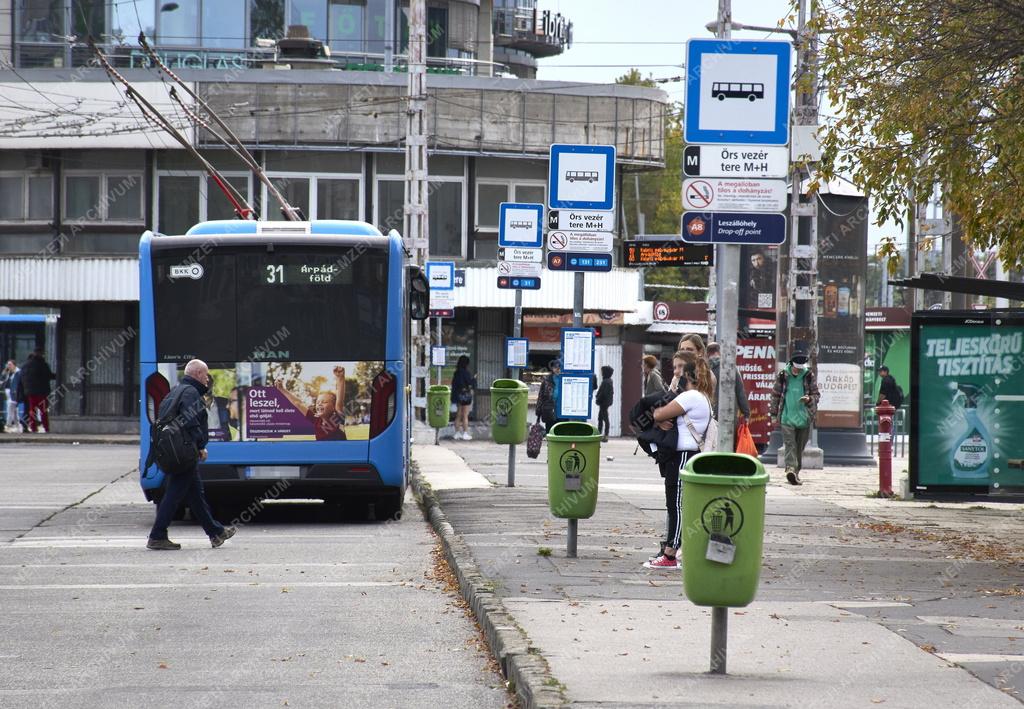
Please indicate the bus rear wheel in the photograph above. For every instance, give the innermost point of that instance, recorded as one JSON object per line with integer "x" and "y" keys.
{"x": 388, "y": 507}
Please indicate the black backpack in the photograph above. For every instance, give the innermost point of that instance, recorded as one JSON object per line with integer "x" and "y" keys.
{"x": 170, "y": 445}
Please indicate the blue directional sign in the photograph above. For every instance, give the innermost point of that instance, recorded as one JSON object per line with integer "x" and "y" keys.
{"x": 571, "y": 261}
{"x": 521, "y": 224}
{"x": 522, "y": 282}
{"x": 737, "y": 91}
{"x": 734, "y": 228}
{"x": 581, "y": 177}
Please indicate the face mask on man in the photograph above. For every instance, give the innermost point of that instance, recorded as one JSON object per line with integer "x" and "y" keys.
{"x": 799, "y": 366}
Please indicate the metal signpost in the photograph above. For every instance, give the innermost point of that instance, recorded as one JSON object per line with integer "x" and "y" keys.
{"x": 520, "y": 261}
{"x": 581, "y": 200}
{"x": 737, "y": 102}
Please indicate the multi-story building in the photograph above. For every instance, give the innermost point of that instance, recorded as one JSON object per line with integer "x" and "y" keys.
{"x": 82, "y": 173}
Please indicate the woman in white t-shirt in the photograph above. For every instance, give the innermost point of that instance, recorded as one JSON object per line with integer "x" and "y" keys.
{"x": 693, "y": 404}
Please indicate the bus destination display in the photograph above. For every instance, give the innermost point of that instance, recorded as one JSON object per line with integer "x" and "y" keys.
{"x": 667, "y": 252}
{"x": 293, "y": 274}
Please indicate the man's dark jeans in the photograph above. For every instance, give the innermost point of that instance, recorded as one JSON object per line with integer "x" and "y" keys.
{"x": 185, "y": 487}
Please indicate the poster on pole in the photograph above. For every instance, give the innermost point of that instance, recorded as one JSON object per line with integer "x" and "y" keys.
{"x": 516, "y": 351}
{"x": 574, "y": 396}
{"x": 578, "y": 349}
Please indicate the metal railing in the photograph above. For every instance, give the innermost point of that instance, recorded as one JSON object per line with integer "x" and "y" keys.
{"x": 32, "y": 55}
{"x": 900, "y": 430}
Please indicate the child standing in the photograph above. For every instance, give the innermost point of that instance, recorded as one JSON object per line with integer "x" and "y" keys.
{"x": 604, "y": 397}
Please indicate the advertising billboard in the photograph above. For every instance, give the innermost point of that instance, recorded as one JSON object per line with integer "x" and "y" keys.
{"x": 967, "y": 424}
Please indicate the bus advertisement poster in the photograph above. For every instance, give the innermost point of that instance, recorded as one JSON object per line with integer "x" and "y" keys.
{"x": 288, "y": 401}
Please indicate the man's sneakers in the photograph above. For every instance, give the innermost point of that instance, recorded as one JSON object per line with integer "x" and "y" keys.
{"x": 219, "y": 539}
{"x": 793, "y": 476}
{"x": 663, "y": 562}
{"x": 162, "y": 545}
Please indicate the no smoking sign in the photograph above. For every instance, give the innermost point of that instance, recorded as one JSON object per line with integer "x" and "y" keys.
{"x": 698, "y": 194}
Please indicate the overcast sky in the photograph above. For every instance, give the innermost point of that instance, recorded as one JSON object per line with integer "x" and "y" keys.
{"x": 611, "y": 36}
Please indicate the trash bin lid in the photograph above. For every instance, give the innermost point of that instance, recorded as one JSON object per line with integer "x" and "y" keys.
{"x": 573, "y": 431}
{"x": 507, "y": 384}
{"x": 713, "y": 468}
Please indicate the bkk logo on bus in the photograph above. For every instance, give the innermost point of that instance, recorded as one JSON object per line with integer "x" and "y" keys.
{"x": 189, "y": 270}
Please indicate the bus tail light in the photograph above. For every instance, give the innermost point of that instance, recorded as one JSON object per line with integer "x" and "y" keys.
{"x": 382, "y": 402}
{"x": 157, "y": 387}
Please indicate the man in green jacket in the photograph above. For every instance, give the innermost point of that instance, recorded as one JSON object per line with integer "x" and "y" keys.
{"x": 794, "y": 405}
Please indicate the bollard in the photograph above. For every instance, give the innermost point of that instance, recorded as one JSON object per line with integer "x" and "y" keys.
{"x": 885, "y": 412}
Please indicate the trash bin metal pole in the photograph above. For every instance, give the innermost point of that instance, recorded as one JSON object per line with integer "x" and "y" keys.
{"x": 719, "y": 639}
{"x": 517, "y": 331}
{"x": 577, "y": 321}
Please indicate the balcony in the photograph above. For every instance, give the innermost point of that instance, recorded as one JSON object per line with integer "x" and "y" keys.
{"x": 537, "y": 32}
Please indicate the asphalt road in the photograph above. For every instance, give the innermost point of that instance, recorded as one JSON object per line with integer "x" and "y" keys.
{"x": 298, "y": 610}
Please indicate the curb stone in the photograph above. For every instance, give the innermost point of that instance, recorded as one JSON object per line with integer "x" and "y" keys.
{"x": 524, "y": 668}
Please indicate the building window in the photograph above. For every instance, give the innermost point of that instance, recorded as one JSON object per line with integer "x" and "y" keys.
{"x": 437, "y": 32}
{"x": 347, "y": 20}
{"x": 266, "y": 19}
{"x": 224, "y": 24}
{"x": 310, "y": 13}
{"x": 103, "y": 197}
{"x": 488, "y": 197}
{"x": 186, "y": 198}
{"x": 337, "y": 199}
{"x": 178, "y": 23}
{"x": 326, "y": 196}
{"x": 446, "y": 204}
{"x": 178, "y": 203}
{"x": 491, "y": 193}
{"x": 26, "y": 198}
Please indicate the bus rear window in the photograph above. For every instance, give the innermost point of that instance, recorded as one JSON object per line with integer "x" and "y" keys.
{"x": 291, "y": 304}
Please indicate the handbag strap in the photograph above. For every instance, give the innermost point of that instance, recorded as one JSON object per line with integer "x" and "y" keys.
{"x": 693, "y": 430}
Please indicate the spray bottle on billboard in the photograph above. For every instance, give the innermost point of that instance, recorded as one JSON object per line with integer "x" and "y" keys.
{"x": 969, "y": 458}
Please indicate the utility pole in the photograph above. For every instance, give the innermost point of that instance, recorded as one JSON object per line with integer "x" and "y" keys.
{"x": 802, "y": 281}
{"x": 727, "y": 267}
{"x": 416, "y": 222}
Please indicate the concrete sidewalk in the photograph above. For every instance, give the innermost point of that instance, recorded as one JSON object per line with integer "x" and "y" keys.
{"x": 853, "y": 610}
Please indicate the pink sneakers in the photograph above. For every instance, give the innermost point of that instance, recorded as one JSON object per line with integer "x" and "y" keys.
{"x": 663, "y": 562}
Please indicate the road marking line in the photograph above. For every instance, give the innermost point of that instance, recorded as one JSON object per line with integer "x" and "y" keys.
{"x": 199, "y": 583}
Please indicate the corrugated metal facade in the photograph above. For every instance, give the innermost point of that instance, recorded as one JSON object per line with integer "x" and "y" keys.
{"x": 69, "y": 279}
{"x": 616, "y": 290}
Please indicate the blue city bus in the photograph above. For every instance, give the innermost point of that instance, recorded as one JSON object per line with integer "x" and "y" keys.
{"x": 304, "y": 328}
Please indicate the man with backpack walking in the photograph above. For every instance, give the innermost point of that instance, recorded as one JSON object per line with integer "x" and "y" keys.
{"x": 178, "y": 444}
{"x": 794, "y": 405}
{"x": 889, "y": 389}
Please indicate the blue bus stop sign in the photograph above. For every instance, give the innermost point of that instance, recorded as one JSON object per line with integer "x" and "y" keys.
{"x": 737, "y": 91}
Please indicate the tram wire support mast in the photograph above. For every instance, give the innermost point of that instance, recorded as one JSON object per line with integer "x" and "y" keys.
{"x": 416, "y": 215}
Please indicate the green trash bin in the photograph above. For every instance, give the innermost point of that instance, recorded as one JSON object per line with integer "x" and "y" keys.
{"x": 574, "y": 461}
{"x": 439, "y": 399}
{"x": 723, "y": 528}
{"x": 508, "y": 410}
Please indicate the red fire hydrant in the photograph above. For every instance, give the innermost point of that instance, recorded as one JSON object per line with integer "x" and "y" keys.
{"x": 885, "y": 412}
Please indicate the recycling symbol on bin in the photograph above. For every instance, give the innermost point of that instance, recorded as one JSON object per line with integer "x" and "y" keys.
{"x": 722, "y": 515}
{"x": 503, "y": 407}
{"x": 572, "y": 462}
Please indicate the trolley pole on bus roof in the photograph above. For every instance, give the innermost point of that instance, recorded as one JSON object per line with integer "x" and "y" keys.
{"x": 416, "y": 221}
